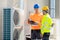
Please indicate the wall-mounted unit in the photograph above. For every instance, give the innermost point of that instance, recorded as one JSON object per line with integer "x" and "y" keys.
{"x": 13, "y": 24}
{"x": 18, "y": 18}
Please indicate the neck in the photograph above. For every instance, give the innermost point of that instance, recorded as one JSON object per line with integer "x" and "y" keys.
{"x": 37, "y": 12}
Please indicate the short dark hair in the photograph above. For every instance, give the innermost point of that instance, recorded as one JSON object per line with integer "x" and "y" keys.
{"x": 46, "y": 11}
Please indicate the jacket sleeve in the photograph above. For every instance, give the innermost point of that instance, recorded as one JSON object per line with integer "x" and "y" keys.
{"x": 50, "y": 21}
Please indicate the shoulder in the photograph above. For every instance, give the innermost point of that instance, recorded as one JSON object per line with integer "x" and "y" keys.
{"x": 49, "y": 16}
{"x": 40, "y": 14}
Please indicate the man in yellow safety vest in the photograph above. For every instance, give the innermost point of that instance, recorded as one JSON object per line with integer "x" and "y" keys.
{"x": 46, "y": 23}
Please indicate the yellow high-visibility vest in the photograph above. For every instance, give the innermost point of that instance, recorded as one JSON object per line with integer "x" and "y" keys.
{"x": 46, "y": 24}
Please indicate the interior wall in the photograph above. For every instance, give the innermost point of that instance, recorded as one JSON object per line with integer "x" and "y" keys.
{"x": 1, "y": 24}
{"x": 40, "y": 2}
{"x": 3, "y": 4}
{"x": 57, "y": 9}
{"x": 10, "y": 3}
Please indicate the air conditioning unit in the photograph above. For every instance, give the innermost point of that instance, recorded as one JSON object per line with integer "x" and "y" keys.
{"x": 13, "y": 24}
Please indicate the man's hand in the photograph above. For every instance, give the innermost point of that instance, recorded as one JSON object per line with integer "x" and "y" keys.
{"x": 29, "y": 21}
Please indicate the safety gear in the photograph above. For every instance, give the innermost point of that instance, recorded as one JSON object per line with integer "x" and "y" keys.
{"x": 45, "y": 8}
{"x": 36, "y": 6}
{"x": 46, "y": 24}
{"x": 36, "y": 18}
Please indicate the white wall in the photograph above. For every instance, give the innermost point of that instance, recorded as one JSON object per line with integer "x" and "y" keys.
{"x": 3, "y": 4}
{"x": 57, "y": 29}
{"x": 40, "y": 2}
{"x": 57, "y": 9}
